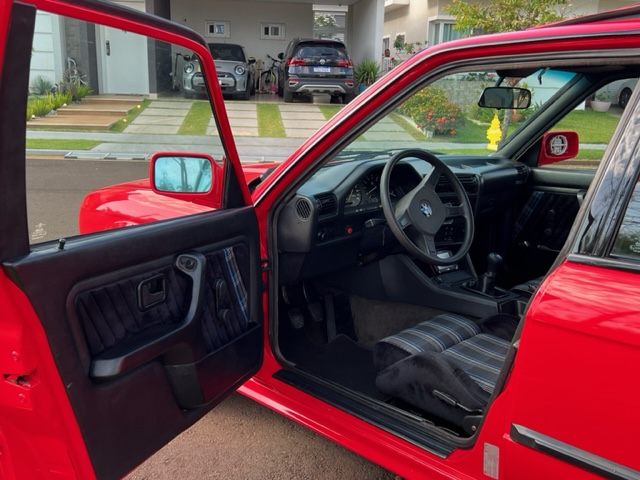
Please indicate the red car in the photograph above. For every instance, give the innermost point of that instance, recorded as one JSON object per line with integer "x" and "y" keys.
{"x": 444, "y": 309}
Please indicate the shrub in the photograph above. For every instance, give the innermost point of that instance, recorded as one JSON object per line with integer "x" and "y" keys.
{"x": 41, "y": 106}
{"x": 61, "y": 99}
{"x": 431, "y": 110}
{"x": 82, "y": 91}
{"x": 41, "y": 85}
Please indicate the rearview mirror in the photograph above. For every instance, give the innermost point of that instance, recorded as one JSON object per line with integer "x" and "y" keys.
{"x": 505, "y": 97}
{"x": 182, "y": 173}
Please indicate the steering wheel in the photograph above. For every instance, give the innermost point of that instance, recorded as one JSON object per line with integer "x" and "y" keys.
{"x": 419, "y": 215}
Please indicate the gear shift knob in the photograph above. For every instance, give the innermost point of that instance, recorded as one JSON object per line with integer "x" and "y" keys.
{"x": 494, "y": 262}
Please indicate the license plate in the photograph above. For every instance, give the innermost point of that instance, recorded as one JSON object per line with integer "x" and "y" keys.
{"x": 322, "y": 69}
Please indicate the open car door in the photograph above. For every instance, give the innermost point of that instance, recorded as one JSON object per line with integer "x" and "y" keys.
{"x": 113, "y": 343}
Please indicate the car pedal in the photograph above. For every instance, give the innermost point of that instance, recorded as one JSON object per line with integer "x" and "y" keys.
{"x": 296, "y": 318}
{"x": 317, "y": 312}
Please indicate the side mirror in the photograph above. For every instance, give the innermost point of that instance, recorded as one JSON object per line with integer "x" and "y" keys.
{"x": 252, "y": 60}
{"x": 558, "y": 146}
{"x": 505, "y": 97}
{"x": 281, "y": 55}
{"x": 182, "y": 173}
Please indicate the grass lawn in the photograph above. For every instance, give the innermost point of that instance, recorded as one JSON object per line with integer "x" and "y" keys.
{"x": 329, "y": 110}
{"x": 197, "y": 120}
{"x": 61, "y": 143}
{"x": 592, "y": 127}
{"x": 120, "y": 125}
{"x": 269, "y": 120}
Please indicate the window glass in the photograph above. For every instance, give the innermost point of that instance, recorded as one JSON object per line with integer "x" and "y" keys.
{"x": 445, "y": 117}
{"x": 101, "y": 102}
{"x": 627, "y": 241}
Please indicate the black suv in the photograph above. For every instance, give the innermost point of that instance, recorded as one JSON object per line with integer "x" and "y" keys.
{"x": 311, "y": 66}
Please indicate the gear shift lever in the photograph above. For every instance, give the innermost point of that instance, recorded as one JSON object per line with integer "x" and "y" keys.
{"x": 487, "y": 283}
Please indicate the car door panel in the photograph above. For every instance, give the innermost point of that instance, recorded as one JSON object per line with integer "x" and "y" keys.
{"x": 138, "y": 332}
{"x": 137, "y": 376}
{"x": 546, "y": 213}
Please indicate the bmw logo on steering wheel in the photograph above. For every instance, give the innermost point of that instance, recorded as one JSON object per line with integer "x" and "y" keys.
{"x": 426, "y": 209}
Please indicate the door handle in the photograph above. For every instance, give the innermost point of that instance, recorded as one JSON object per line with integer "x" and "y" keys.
{"x": 108, "y": 44}
{"x": 151, "y": 292}
{"x": 119, "y": 360}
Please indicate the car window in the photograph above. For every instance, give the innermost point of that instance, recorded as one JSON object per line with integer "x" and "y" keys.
{"x": 627, "y": 242}
{"x": 232, "y": 53}
{"x": 315, "y": 50}
{"x": 101, "y": 102}
{"x": 445, "y": 117}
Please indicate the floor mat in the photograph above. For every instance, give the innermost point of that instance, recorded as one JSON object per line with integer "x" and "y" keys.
{"x": 342, "y": 361}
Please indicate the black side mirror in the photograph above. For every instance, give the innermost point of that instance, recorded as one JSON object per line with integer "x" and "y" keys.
{"x": 281, "y": 55}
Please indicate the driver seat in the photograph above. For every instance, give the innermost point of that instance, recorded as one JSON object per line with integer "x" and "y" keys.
{"x": 447, "y": 366}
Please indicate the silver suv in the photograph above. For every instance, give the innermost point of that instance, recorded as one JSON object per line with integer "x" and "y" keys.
{"x": 313, "y": 66}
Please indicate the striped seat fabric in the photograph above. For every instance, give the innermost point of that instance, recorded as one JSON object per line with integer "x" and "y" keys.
{"x": 447, "y": 365}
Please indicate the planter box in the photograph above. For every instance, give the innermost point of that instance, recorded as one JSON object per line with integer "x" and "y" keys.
{"x": 600, "y": 106}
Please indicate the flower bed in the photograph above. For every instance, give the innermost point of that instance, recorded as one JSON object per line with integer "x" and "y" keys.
{"x": 432, "y": 111}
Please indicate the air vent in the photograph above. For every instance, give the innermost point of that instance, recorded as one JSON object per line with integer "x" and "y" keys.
{"x": 327, "y": 204}
{"x": 523, "y": 173}
{"x": 469, "y": 183}
{"x": 303, "y": 208}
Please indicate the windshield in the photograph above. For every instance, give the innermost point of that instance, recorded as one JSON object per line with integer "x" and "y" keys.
{"x": 445, "y": 117}
{"x": 222, "y": 51}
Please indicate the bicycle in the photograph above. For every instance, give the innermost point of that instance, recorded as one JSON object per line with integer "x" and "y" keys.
{"x": 73, "y": 74}
{"x": 269, "y": 78}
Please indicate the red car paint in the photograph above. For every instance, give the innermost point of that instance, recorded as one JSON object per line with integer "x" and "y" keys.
{"x": 572, "y": 377}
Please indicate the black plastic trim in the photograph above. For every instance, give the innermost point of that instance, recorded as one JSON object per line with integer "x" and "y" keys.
{"x": 375, "y": 415}
{"x": 13, "y": 98}
{"x": 570, "y": 454}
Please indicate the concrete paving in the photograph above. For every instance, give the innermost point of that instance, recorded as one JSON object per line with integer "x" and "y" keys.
{"x": 156, "y": 128}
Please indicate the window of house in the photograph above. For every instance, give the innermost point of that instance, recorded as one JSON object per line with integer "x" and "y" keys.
{"x": 272, "y": 31}
{"x": 444, "y": 31}
{"x": 217, "y": 29}
{"x": 330, "y": 23}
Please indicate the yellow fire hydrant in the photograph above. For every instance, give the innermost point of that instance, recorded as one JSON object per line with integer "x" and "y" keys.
{"x": 494, "y": 133}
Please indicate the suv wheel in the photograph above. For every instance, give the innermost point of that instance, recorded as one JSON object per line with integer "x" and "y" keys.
{"x": 288, "y": 96}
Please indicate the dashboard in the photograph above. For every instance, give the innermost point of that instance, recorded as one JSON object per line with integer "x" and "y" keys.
{"x": 336, "y": 217}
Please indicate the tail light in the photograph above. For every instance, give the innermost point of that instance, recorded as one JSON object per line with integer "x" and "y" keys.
{"x": 296, "y": 61}
{"x": 345, "y": 63}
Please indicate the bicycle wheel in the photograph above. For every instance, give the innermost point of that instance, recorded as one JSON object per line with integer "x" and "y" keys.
{"x": 265, "y": 82}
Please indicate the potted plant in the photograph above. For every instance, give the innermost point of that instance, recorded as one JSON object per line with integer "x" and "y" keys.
{"x": 601, "y": 102}
{"x": 366, "y": 73}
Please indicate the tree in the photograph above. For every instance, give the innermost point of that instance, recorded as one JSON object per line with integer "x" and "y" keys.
{"x": 495, "y": 16}
{"x": 325, "y": 21}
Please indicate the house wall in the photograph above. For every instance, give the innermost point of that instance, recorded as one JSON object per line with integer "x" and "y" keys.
{"x": 46, "y": 60}
{"x": 414, "y": 19}
{"x": 244, "y": 22}
{"x": 410, "y": 21}
{"x": 365, "y": 30}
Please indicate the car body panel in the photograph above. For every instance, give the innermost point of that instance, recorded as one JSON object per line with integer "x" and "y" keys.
{"x": 52, "y": 388}
{"x": 48, "y": 429}
{"x": 312, "y": 66}
{"x": 236, "y": 74}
